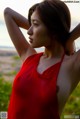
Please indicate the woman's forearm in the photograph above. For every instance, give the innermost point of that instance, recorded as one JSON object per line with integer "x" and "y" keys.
{"x": 13, "y": 22}
{"x": 75, "y": 33}
{"x": 20, "y": 20}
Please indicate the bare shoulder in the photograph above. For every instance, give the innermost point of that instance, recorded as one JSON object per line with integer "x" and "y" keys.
{"x": 73, "y": 58}
{"x": 31, "y": 51}
{"x": 71, "y": 67}
{"x": 77, "y": 59}
{"x": 78, "y": 55}
{"x": 75, "y": 67}
{"x": 68, "y": 78}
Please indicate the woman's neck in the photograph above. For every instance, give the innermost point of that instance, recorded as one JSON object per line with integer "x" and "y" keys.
{"x": 54, "y": 51}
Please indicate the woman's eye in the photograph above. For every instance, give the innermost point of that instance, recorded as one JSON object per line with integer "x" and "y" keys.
{"x": 35, "y": 24}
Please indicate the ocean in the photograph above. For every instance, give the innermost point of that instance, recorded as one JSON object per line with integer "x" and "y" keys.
{"x": 6, "y": 43}
{"x": 7, "y": 48}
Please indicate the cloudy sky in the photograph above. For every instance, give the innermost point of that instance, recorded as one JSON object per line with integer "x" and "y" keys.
{"x": 22, "y": 7}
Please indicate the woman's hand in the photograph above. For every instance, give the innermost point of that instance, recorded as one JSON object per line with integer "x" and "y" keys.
{"x": 70, "y": 44}
{"x": 70, "y": 47}
{"x": 20, "y": 20}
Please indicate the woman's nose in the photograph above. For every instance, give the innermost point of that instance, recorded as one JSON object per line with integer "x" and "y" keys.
{"x": 29, "y": 32}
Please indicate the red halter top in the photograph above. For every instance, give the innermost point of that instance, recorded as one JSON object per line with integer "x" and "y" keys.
{"x": 34, "y": 95}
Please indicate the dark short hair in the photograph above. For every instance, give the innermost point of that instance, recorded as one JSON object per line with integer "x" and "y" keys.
{"x": 56, "y": 17}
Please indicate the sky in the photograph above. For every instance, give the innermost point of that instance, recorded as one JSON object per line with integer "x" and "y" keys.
{"x": 22, "y": 7}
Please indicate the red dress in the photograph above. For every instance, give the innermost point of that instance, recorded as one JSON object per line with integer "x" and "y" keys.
{"x": 33, "y": 94}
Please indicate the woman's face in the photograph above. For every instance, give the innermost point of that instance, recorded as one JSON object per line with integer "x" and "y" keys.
{"x": 38, "y": 33}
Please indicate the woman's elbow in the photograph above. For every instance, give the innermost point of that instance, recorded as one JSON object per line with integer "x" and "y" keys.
{"x": 7, "y": 11}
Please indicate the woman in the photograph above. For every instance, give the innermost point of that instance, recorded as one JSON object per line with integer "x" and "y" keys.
{"x": 46, "y": 80}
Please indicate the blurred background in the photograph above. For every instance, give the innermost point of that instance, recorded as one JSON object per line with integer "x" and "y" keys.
{"x": 10, "y": 62}
{"x": 22, "y": 7}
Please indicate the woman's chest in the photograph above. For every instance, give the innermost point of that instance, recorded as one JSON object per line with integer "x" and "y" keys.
{"x": 36, "y": 87}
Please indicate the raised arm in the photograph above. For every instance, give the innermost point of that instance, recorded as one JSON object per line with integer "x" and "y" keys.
{"x": 13, "y": 21}
{"x": 74, "y": 34}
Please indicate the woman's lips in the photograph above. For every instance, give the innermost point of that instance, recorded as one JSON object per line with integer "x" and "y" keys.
{"x": 31, "y": 40}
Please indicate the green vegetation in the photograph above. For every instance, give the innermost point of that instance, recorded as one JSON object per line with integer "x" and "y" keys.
{"x": 5, "y": 91}
{"x": 12, "y": 73}
{"x": 16, "y": 57}
{"x": 73, "y": 105}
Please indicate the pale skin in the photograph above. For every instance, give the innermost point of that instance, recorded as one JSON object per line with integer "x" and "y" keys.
{"x": 53, "y": 52}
